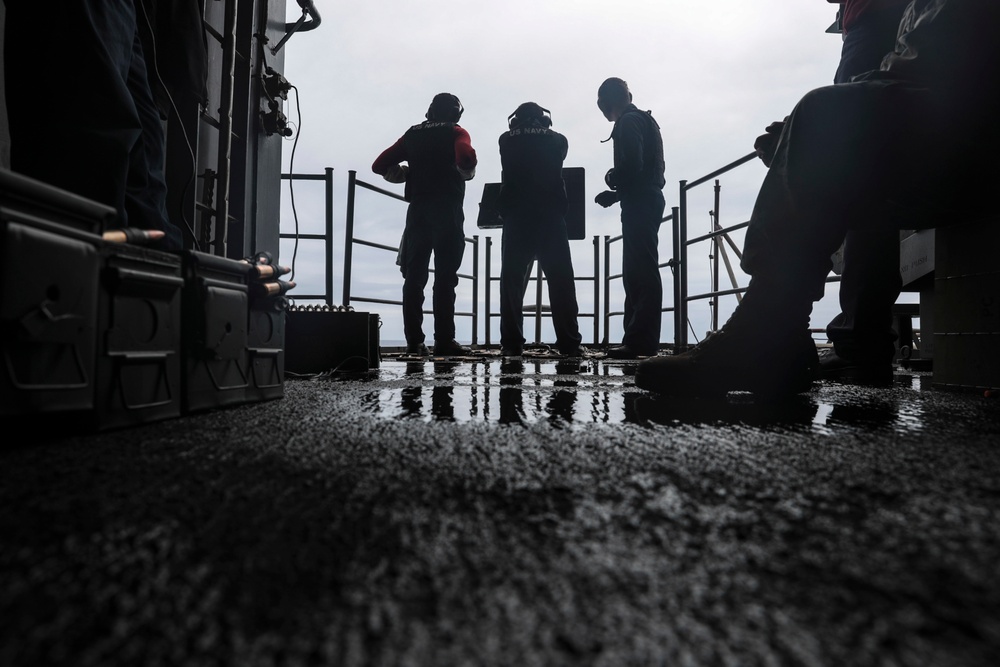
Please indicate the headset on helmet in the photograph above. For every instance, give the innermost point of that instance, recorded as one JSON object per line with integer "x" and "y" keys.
{"x": 446, "y": 108}
{"x": 529, "y": 113}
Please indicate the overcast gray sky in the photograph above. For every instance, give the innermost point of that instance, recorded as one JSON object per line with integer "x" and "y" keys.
{"x": 714, "y": 73}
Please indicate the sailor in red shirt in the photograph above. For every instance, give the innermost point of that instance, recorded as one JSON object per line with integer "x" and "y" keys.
{"x": 439, "y": 160}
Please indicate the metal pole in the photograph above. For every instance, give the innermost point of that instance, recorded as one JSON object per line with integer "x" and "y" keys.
{"x": 715, "y": 259}
{"x": 680, "y": 333}
{"x": 489, "y": 287}
{"x": 225, "y": 155}
{"x": 329, "y": 235}
{"x": 352, "y": 176}
{"x": 538, "y": 302}
{"x": 607, "y": 289}
{"x": 597, "y": 291}
{"x": 675, "y": 269}
{"x": 475, "y": 289}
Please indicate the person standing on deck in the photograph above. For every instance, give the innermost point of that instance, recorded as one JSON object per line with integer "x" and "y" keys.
{"x": 439, "y": 160}
{"x": 636, "y": 181}
{"x": 533, "y": 205}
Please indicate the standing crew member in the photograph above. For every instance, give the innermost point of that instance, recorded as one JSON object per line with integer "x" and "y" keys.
{"x": 533, "y": 205}
{"x": 440, "y": 159}
{"x": 637, "y": 182}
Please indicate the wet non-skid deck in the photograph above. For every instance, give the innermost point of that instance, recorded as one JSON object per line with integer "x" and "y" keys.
{"x": 596, "y": 390}
{"x": 533, "y": 512}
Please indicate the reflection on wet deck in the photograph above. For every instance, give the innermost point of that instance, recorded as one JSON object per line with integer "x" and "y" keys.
{"x": 581, "y": 392}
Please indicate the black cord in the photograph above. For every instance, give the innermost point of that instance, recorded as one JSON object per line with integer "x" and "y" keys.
{"x": 187, "y": 140}
{"x": 291, "y": 180}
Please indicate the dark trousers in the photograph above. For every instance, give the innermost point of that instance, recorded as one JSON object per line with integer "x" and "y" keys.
{"x": 642, "y": 213}
{"x": 80, "y": 109}
{"x": 436, "y": 227}
{"x": 527, "y": 238}
{"x": 872, "y": 155}
{"x": 870, "y": 282}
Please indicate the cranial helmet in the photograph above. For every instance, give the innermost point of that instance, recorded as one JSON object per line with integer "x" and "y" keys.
{"x": 445, "y": 108}
{"x": 529, "y": 113}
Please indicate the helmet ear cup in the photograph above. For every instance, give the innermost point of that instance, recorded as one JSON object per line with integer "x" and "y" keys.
{"x": 446, "y": 108}
{"x": 530, "y": 113}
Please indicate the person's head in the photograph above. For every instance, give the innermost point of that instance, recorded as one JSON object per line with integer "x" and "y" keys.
{"x": 445, "y": 108}
{"x": 613, "y": 96}
{"x": 530, "y": 114}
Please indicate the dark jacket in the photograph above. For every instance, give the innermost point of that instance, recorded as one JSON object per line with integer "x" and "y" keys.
{"x": 531, "y": 159}
{"x": 639, "y": 164}
{"x": 949, "y": 44}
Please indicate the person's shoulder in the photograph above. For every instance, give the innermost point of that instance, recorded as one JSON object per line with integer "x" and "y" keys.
{"x": 634, "y": 114}
{"x": 635, "y": 117}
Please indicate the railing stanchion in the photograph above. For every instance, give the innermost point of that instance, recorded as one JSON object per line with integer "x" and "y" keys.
{"x": 329, "y": 234}
{"x": 607, "y": 290}
{"x": 352, "y": 176}
{"x": 675, "y": 268}
{"x": 475, "y": 289}
{"x": 681, "y": 315}
{"x": 488, "y": 296}
{"x": 597, "y": 289}
{"x": 716, "y": 224}
{"x": 538, "y": 302}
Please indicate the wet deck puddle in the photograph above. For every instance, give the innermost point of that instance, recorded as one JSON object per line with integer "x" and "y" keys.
{"x": 578, "y": 392}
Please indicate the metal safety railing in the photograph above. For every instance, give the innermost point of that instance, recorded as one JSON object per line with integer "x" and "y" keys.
{"x": 719, "y": 237}
{"x": 681, "y": 244}
{"x": 678, "y": 264}
{"x": 326, "y": 236}
{"x": 538, "y": 310}
{"x": 353, "y": 183}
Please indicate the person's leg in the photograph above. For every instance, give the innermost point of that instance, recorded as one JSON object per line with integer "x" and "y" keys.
{"x": 849, "y": 154}
{"x": 72, "y": 119}
{"x": 641, "y": 217}
{"x": 862, "y": 332}
{"x": 448, "y": 237}
{"x": 556, "y": 263}
{"x": 517, "y": 253}
{"x": 146, "y": 188}
{"x": 416, "y": 257}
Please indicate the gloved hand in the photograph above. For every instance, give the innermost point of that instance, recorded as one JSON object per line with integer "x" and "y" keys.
{"x": 396, "y": 173}
{"x": 606, "y": 198}
{"x": 767, "y": 143}
{"x": 609, "y": 178}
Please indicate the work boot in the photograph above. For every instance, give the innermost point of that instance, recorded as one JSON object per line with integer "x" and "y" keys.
{"x": 451, "y": 348}
{"x": 774, "y": 366}
{"x": 417, "y": 350}
{"x": 622, "y": 352}
{"x": 869, "y": 372}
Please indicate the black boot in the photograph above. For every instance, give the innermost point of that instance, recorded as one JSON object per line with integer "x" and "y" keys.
{"x": 764, "y": 348}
